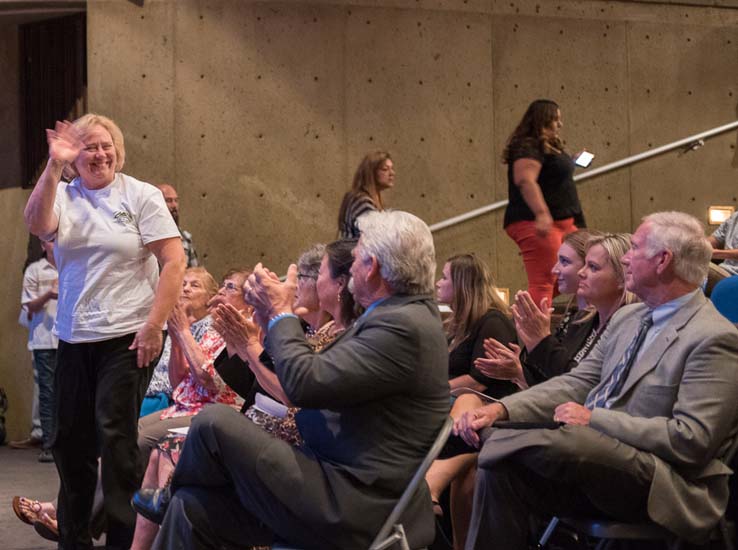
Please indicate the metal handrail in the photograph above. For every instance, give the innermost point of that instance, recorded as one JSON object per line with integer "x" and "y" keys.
{"x": 691, "y": 142}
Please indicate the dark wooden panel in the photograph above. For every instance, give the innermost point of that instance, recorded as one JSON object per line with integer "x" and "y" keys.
{"x": 53, "y": 68}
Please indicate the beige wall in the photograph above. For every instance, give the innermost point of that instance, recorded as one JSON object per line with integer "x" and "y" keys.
{"x": 16, "y": 376}
{"x": 260, "y": 111}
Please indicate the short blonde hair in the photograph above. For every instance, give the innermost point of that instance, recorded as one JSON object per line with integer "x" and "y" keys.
{"x": 83, "y": 125}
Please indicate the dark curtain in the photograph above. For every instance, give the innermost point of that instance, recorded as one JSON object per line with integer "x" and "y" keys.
{"x": 53, "y": 80}
{"x": 53, "y": 83}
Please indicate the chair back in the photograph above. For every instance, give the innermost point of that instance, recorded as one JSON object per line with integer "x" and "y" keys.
{"x": 385, "y": 536}
{"x": 725, "y": 298}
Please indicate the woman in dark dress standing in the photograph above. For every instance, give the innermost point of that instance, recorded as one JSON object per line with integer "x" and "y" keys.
{"x": 544, "y": 205}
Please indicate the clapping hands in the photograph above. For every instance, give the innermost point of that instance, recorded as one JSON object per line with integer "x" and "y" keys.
{"x": 238, "y": 330}
{"x": 533, "y": 323}
{"x": 501, "y": 362}
{"x": 267, "y": 294}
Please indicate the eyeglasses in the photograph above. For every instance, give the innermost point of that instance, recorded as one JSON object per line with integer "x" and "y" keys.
{"x": 306, "y": 276}
{"x": 230, "y": 286}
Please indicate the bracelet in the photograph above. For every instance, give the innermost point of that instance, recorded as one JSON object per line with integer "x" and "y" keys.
{"x": 278, "y": 317}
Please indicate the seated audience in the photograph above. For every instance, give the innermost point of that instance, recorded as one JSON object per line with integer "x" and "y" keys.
{"x": 198, "y": 288}
{"x": 375, "y": 174}
{"x": 164, "y": 452}
{"x": 332, "y": 296}
{"x": 601, "y": 286}
{"x": 724, "y": 243}
{"x": 372, "y": 402}
{"x": 644, "y": 417}
{"x": 192, "y": 371}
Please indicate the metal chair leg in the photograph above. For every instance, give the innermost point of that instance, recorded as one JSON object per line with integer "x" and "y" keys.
{"x": 550, "y": 528}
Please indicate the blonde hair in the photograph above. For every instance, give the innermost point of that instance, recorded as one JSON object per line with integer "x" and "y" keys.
{"x": 84, "y": 124}
{"x": 615, "y": 245}
{"x": 474, "y": 295}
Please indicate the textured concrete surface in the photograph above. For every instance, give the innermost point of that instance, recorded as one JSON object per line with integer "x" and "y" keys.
{"x": 259, "y": 112}
{"x": 21, "y": 474}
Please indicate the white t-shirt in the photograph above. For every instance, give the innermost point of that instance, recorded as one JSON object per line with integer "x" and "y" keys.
{"x": 38, "y": 279}
{"x": 107, "y": 276}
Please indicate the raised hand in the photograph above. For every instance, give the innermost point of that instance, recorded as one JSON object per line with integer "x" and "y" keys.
{"x": 268, "y": 294}
{"x": 237, "y": 330}
{"x": 65, "y": 143}
{"x": 533, "y": 323}
{"x": 178, "y": 321}
{"x": 501, "y": 362}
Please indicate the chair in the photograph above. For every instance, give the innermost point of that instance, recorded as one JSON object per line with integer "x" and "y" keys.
{"x": 715, "y": 274}
{"x": 392, "y": 532}
{"x": 609, "y": 531}
{"x": 725, "y": 298}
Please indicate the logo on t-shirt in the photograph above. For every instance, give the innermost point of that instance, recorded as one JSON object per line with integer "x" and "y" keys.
{"x": 123, "y": 217}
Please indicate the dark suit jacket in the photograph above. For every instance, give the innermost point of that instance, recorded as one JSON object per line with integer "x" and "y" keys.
{"x": 372, "y": 403}
{"x": 679, "y": 403}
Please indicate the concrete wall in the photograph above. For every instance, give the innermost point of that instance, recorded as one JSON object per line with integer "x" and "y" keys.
{"x": 16, "y": 375}
{"x": 260, "y": 111}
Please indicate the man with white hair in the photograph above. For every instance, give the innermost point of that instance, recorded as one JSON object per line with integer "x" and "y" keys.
{"x": 372, "y": 403}
{"x": 636, "y": 431}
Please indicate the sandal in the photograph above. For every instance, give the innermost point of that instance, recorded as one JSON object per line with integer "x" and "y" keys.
{"x": 27, "y": 510}
{"x": 47, "y": 528}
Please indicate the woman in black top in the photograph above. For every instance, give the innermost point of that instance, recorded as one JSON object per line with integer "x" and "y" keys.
{"x": 477, "y": 313}
{"x": 375, "y": 174}
{"x": 544, "y": 205}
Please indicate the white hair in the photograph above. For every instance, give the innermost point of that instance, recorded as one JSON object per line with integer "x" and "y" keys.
{"x": 684, "y": 236}
{"x": 403, "y": 246}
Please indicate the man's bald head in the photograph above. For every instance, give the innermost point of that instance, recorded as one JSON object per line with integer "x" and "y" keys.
{"x": 171, "y": 198}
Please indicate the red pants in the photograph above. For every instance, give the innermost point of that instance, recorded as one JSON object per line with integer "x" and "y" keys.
{"x": 540, "y": 253}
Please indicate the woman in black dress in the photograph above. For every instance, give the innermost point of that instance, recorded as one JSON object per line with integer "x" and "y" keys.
{"x": 477, "y": 313}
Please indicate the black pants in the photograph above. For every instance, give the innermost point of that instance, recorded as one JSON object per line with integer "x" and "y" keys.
{"x": 98, "y": 393}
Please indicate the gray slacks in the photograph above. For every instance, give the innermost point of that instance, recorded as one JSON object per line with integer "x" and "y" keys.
{"x": 574, "y": 471}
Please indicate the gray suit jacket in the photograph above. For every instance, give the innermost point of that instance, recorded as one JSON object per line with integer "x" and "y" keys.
{"x": 373, "y": 402}
{"x": 679, "y": 403}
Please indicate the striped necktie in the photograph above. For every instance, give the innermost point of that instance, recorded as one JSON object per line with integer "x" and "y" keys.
{"x": 621, "y": 370}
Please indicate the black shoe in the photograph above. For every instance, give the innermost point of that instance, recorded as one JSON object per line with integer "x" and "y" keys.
{"x": 152, "y": 503}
